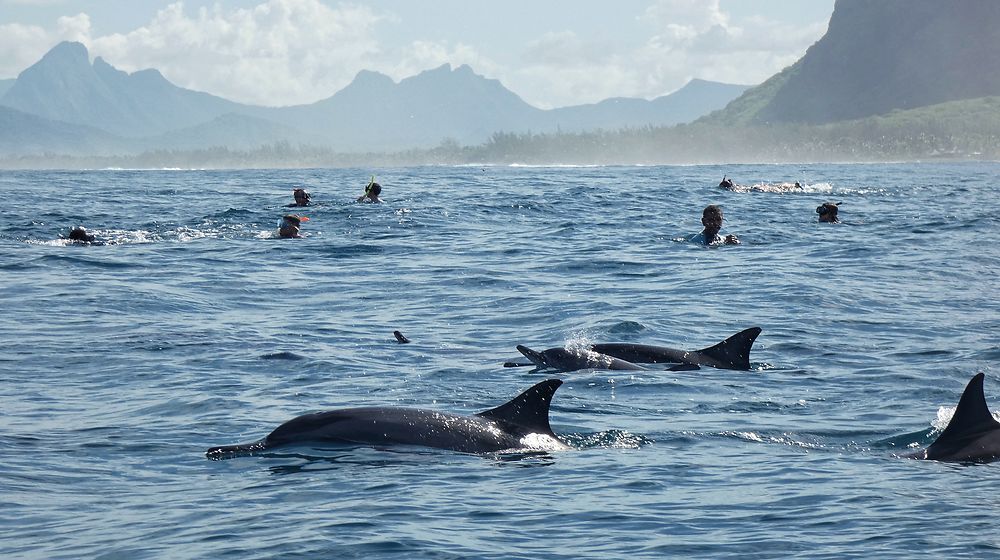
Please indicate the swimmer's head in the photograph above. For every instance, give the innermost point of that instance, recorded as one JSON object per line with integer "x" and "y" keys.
{"x": 828, "y": 211}
{"x": 373, "y": 190}
{"x": 80, "y": 234}
{"x": 301, "y": 197}
{"x": 290, "y": 224}
{"x": 711, "y": 217}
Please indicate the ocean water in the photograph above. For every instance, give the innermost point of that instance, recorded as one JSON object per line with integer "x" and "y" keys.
{"x": 193, "y": 326}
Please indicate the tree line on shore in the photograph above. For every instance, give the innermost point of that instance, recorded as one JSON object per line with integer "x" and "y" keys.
{"x": 958, "y": 130}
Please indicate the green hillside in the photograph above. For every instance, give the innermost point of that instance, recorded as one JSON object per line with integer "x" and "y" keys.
{"x": 880, "y": 56}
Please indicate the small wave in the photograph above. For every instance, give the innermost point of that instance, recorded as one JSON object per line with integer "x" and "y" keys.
{"x": 783, "y": 188}
{"x": 113, "y": 237}
{"x": 231, "y": 212}
{"x": 626, "y": 327}
{"x": 611, "y": 439}
{"x": 350, "y": 251}
{"x": 781, "y": 440}
{"x": 542, "y": 442}
{"x": 282, "y": 356}
{"x": 903, "y": 442}
{"x": 553, "y": 165}
{"x": 147, "y": 169}
{"x": 750, "y": 407}
{"x": 83, "y": 260}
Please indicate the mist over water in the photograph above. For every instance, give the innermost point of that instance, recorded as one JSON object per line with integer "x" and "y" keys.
{"x": 194, "y": 326}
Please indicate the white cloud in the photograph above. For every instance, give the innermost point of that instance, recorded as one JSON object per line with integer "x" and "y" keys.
{"x": 32, "y": 2}
{"x": 684, "y": 20}
{"x": 568, "y": 69}
{"x": 282, "y": 52}
{"x": 687, "y": 39}
{"x": 278, "y": 52}
{"x": 22, "y": 45}
{"x": 73, "y": 28}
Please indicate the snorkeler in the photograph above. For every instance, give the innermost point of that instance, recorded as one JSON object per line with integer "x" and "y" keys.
{"x": 828, "y": 212}
{"x": 372, "y": 190}
{"x": 711, "y": 218}
{"x": 727, "y": 183}
{"x": 302, "y": 197}
{"x": 290, "y": 225}
{"x": 79, "y": 234}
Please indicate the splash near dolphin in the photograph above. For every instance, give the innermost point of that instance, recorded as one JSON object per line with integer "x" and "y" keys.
{"x": 972, "y": 435}
{"x": 520, "y": 424}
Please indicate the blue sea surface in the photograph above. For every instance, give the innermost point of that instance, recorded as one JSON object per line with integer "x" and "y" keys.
{"x": 193, "y": 326}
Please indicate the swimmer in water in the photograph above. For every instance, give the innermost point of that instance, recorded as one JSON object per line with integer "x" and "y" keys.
{"x": 301, "y": 198}
{"x": 372, "y": 190}
{"x": 727, "y": 183}
{"x": 290, "y": 225}
{"x": 79, "y": 234}
{"x": 711, "y": 218}
{"x": 828, "y": 212}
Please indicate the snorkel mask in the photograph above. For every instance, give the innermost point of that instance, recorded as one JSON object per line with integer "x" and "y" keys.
{"x": 294, "y": 221}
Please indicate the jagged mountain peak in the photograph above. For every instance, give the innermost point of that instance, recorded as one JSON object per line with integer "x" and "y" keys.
{"x": 64, "y": 86}
{"x": 373, "y": 113}
{"x": 371, "y": 77}
{"x": 66, "y": 53}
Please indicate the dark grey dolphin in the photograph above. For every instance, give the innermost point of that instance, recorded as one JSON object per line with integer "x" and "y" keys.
{"x": 972, "y": 435}
{"x": 400, "y": 338}
{"x": 562, "y": 359}
{"x": 732, "y": 353}
{"x": 522, "y": 423}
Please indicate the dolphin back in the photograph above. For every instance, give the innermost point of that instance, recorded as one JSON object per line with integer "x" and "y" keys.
{"x": 734, "y": 352}
{"x": 972, "y": 421}
{"x": 640, "y": 353}
{"x": 564, "y": 359}
{"x": 731, "y": 353}
{"x": 529, "y": 410}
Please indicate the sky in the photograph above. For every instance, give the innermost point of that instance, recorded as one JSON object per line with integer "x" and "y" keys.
{"x": 552, "y": 53}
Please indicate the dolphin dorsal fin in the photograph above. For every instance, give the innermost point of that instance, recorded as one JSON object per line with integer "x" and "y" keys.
{"x": 530, "y": 409}
{"x": 972, "y": 415}
{"x": 734, "y": 350}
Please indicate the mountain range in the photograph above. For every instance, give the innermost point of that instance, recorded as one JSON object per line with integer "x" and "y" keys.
{"x": 143, "y": 111}
{"x": 887, "y": 73}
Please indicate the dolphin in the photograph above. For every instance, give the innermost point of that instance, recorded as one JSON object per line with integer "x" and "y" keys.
{"x": 520, "y": 424}
{"x": 732, "y": 353}
{"x": 400, "y": 338}
{"x": 562, "y": 359}
{"x": 972, "y": 435}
